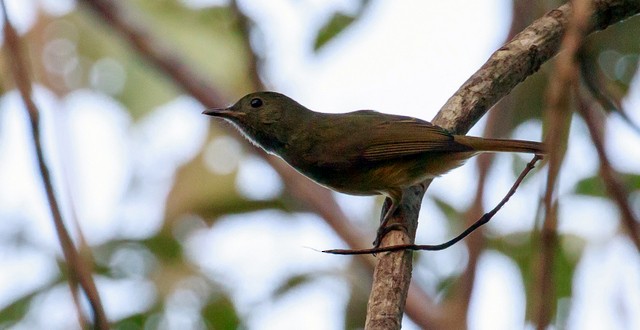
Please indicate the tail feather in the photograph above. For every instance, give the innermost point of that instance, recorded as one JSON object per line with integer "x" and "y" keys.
{"x": 501, "y": 145}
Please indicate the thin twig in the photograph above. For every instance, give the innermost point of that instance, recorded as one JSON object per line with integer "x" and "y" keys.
{"x": 558, "y": 113}
{"x": 610, "y": 176}
{"x": 244, "y": 25}
{"x": 77, "y": 268}
{"x": 593, "y": 80}
{"x": 437, "y": 247}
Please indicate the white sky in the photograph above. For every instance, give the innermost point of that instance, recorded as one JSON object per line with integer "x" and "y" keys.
{"x": 402, "y": 57}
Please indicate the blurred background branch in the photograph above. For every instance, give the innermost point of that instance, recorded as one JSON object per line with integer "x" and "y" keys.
{"x": 595, "y": 122}
{"x": 511, "y": 64}
{"x": 173, "y": 208}
{"x": 79, "y": 272}
{"x": 558, "y": 114}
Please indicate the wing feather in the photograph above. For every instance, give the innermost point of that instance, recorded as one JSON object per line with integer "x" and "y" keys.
{"x": 408, "y": 136}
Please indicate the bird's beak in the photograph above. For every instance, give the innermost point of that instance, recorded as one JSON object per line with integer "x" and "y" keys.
{"x": 222, "y": 112}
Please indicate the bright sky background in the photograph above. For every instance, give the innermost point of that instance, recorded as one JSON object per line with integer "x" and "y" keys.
{"x": 402, "y": 57}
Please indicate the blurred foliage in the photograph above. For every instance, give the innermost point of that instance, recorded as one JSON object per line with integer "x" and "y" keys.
{"x": 360, "y": 281}
{"x": 220, "y": 313}
{"x": 337, "y": 24}
{"x": 292, "y": 283}
{"x": 207, "y": 37}
{"x": 18, "y": 309}
{"x": 519, "y": 247}
{"x": 192, "y": 194}
{"x": 450, "y": 212}
{"x": 149, "y": 319}
{"x": 611, "y": 55}
{"x": 593, "y": 186}
{"x": 97, "y": 41}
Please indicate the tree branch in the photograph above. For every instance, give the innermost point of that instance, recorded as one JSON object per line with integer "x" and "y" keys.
{"x": 244, "y": 25}
{"x": 520, "y": 58}
{"x": 610, "y": 177}
{"x": 558, "y": 112}
{"x": 78, "y": 270}
{"x": 507, "y": 67}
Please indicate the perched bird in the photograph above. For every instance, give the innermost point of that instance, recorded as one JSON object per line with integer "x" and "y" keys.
{"x": 359, "y": 153}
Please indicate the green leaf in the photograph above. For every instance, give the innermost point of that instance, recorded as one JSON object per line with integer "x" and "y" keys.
{"x": 221, "y": 314}
{"x": 521, "y": 246}
{"x": 334, "y": 26}
{"x": 359, "y": 281}
{"x": 16, "y": 311}
{"x": 591, "y": 186}
{"x": 446, "y": 286}
{"x": 594, "y": 186}
{"x": 292, "y": 283}
{"x": 449, "y": 211}
{"x": 136, "y": 321}
{"x": 165, "y": 247}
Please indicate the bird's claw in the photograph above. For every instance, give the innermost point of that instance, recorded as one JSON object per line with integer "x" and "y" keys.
{"x": 384, "y": 230}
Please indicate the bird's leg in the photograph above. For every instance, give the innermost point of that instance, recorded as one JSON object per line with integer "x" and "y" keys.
{"x": 383, "y": 229}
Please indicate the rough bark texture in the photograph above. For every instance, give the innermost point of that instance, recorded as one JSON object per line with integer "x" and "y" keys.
{"x": 392, "y": 274}
{"x": 518, "y": 59}
{"x": 507, "y": 67}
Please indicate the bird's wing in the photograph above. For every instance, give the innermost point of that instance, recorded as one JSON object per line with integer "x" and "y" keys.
{"x": 405, "y": 136}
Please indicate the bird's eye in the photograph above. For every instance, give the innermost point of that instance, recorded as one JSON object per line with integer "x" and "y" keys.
{"x": 256, "y": 103}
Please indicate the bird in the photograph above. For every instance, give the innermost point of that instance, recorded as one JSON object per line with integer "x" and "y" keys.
{"x": 363, "y": 152}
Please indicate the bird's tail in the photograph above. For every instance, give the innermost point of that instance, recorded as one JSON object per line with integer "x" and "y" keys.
{"x": 501, "y": 145}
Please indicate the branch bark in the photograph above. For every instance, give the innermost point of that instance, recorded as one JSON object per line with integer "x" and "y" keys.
{"x": 507, "y": 67}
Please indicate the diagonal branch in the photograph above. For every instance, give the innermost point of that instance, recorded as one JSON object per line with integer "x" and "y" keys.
{"x": 520, "y": 58}
{"x": 78, "y": 270}
{"x": 507, "y": 67}
{"x": 595, "y": 123}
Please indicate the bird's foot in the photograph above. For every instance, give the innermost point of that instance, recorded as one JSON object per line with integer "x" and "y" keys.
{"x": 384, "y": 230}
